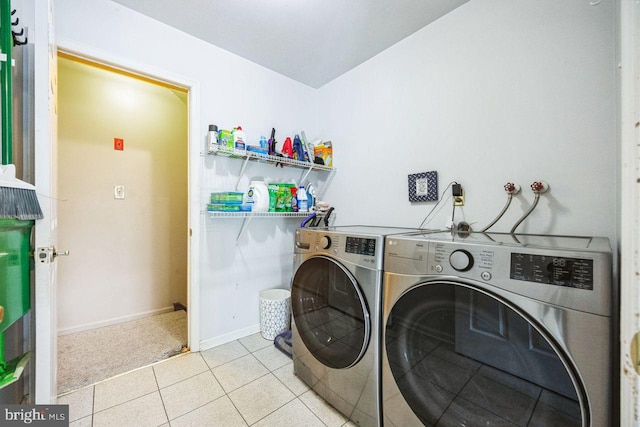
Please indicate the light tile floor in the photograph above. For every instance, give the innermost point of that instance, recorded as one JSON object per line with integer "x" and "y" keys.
{"x": 241, "y": 383}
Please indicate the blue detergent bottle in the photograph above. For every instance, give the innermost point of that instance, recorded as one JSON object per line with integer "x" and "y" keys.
{"x": 298, "y": 150}
{"x": 303, "y": 201}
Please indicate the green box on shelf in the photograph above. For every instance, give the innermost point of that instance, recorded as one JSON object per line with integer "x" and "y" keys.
{"x": 227, "y": 197}
{"x": 221, "y": 207}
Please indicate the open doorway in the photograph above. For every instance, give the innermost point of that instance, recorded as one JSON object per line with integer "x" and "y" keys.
{"x": 122, "y": 175}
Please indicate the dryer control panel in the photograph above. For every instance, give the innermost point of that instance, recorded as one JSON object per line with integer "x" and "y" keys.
{"x": 361, "y": 250}
{"x": 360, "y": 246}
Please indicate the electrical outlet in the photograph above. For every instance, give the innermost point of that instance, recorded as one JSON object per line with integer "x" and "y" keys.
{"x": 118, "y": 192}
{"x": 457, "y": 192}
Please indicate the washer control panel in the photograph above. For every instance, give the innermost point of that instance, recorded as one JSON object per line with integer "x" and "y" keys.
{"x": 573, "y": 276}
{"x": 552, "y": 270}
{"x": 453, "y": 258}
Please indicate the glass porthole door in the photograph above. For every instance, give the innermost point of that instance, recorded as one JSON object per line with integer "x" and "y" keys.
{"x": 330, "y": 312}
{"x": 461, "y": 357}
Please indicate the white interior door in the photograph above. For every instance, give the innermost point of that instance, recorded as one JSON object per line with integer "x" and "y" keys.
{"x": 45, "y": 123}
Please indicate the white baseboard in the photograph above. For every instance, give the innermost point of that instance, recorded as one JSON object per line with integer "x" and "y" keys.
{"x": 228, "y": 337}
{"x": 114, "y": 321}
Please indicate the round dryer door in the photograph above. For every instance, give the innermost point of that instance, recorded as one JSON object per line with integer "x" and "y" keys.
{"x": 462, "y": 357}
{"x": 330, "y": 312}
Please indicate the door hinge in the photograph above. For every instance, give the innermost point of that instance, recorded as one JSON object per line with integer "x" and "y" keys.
{"x": 635, "y": 352}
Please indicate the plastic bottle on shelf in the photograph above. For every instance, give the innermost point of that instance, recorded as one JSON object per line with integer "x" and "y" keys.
{"x": 311, "y": 195}
{"x": 287, "y": 148}
{"x": 212, "y": 138}
{"x": 298, "y": 151}
{"x": 303, "y": 201}
{"x": 260, "y": 196}
{"x": 294, "y": 199}
{"x": 239, "y": 138}
{"x": 263, "y": 142}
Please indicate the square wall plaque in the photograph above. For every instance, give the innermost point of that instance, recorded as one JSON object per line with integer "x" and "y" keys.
{"x": 423, "y": 187}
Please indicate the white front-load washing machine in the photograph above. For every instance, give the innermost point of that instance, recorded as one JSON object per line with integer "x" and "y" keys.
{"x": 335, "y": 302}
{"x": 497, "y": 330}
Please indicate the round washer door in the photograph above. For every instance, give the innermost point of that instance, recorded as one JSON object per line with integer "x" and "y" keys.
{"x": 460, "y": 356}
{"x": 330, "y": 312}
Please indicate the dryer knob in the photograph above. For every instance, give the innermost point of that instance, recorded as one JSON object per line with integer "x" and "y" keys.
{"x": 461, "y": 260}
{"x": 325, "y": 242}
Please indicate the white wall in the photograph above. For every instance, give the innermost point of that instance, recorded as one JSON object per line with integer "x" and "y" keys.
{"x": 233, "y": 91}
{"x": 494, "y": 92}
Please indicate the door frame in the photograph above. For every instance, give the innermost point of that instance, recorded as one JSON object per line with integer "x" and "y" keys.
{"x": 629, "y": 205}
{"x": 83, "y": 51}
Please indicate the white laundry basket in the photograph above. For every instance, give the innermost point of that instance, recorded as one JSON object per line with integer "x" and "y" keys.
{"x": 275, "y": 312}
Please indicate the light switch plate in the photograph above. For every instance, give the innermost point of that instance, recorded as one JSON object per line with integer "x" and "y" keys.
{"x": 118, "y": 192}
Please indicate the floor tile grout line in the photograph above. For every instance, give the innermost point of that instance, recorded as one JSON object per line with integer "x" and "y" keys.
{"x": 282, "y": 382}
{"x": 250, "y": 382}
{"x": 106, "y": 380}
{"x": 311, "y": 410}
{"x": 262, "y": 376}
{"x": 210, "y": 369}
{"x": 93, "y": 404}
{"x": 200, "y": 407}
{"x": 164, "y": 408}
{"x": 237, "y": 409}
{"x": 125, "y": 402}
{"x": 277, "y": 409}
{"x": 94, "y": 411}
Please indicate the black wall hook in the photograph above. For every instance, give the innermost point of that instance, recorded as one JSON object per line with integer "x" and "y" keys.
{"x": 14, "y": 34}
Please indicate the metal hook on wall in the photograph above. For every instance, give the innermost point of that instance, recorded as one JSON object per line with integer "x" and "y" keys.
{"x": 14, "y": 34}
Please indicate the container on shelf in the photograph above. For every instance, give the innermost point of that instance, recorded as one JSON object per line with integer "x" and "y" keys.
{"x": 239, "y": 138}
{"x": 258, "y": 196}
{"x": 212, "y": 138}
{"x": 303, "y": 200}
{"x": 227, "y": 197}
{"x": 225, "y": 140}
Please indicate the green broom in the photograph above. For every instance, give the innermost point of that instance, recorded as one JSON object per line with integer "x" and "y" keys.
{"x": 17, "y": 198}
{"x": 19, "y": 207}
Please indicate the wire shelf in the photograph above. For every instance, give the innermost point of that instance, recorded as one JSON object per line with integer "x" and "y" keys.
{"x": 222, "y": 214}
{"x": 252, "y": 156}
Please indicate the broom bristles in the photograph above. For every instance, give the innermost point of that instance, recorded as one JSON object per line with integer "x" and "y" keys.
{"x": 19, "y": 203}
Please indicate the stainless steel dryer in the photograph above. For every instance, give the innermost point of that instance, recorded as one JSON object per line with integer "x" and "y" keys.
{"x": 335, "y": 301}
{"x": 496, "y": 330}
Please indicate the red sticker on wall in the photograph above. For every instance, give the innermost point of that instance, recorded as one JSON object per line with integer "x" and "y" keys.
{"x": 118, "y": 144}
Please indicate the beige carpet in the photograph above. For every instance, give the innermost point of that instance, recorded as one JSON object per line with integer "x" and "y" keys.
{"x": 90, "y": 356}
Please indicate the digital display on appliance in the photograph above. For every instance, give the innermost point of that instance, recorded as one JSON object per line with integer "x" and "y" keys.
{"x": 551, "y": 270}
{"x": 361, "y": 246}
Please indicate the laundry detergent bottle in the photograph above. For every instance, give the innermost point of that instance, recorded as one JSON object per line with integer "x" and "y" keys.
{"x": 260, "y": 196}
{"x": 303, "y": 201}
